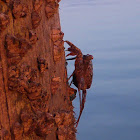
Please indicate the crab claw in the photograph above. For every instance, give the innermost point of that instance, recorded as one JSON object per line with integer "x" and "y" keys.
{"x": 72, "y": 49}
{"x": 72, "y": 52}
{"x": 72, "y": 46}
{"x": 69, "y": 54}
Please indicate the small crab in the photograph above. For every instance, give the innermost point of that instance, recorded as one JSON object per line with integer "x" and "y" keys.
{"x": 82, "y": 75}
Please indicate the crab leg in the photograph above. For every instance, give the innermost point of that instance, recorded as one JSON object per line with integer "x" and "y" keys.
{"x": 70, "y": 44}
{"x": 71, "y": 82}
{"x": 73, "y": 48}
{"x": 71, "y": 75}
{"x": 80, "y": 99}
{"x": 71, "y": 58}
{"x": 83, "y": 104}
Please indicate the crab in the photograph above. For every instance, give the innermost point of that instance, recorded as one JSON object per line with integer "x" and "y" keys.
{"x": 82, "y": 75}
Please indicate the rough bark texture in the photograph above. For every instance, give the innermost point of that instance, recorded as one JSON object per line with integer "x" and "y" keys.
{"x": 34, "y": 94}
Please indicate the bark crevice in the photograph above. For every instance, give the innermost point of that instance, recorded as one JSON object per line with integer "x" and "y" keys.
{"x": 3, "y": 74}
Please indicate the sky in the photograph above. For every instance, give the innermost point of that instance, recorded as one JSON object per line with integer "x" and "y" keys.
{"x": 110, "y": 31}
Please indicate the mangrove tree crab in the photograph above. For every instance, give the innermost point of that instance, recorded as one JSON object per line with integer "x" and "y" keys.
{"x": 82, "y": 75}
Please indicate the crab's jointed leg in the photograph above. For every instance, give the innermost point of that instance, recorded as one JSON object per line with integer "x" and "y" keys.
{"x": 71, "y": 58}
{"x": 70, "y": 44}
{"x": 80, "y": 99}
{"x": 82, "y": 106}
{"x": 71, "y": 75}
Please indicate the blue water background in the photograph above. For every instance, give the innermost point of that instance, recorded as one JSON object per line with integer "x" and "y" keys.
{"x": 110, "y": 31}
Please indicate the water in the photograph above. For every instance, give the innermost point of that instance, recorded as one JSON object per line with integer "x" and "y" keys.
{"x": 110, "y": 31}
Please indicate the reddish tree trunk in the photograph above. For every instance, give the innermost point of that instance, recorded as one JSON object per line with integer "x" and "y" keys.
{"x": 34, "y": 95}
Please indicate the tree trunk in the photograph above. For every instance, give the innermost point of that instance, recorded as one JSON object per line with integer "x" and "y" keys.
{"x": 34, "y": 94}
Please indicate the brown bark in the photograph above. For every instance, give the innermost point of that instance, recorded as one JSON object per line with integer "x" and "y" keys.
{"x": 34, "y": 94}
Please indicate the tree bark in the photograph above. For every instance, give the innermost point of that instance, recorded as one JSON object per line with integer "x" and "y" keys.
{"x": 34, "y": 94}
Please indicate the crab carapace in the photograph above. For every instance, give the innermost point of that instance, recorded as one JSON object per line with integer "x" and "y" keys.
{"x": 82, "y": 75}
